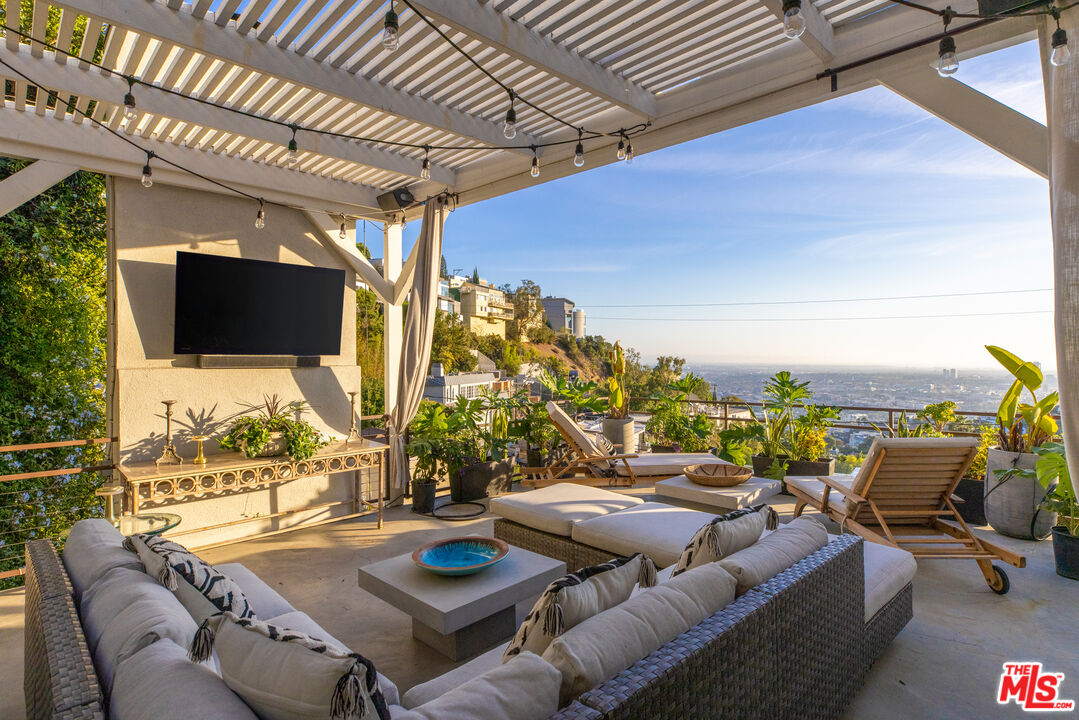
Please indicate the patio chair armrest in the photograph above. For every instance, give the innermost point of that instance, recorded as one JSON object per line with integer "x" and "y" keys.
{"x": 957, "y": 499}
{"x": 841, "y": 489}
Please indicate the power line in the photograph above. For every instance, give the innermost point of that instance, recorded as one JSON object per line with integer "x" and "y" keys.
{"x": 830, "y": 300}
{"x": 828, "y": 319}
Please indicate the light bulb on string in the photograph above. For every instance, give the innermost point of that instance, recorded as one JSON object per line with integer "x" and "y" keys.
{"x": 1061, "y": 53}
{"x": 344, "y": 233}
{"x": 147, "y": 172}
{"x": 260, "y": 218}
{"x": 293, "y": 156}
{"x": 129, "y": 102}
{"x": 578, "y": 152}
{"x": 535, "y": 171}
{"x": 391, "y": 39}
{"x": 947, "y": 62}
{"x": 509, "y": 128}
{"x": 425, "y": 169}
{"x": 794, "y": 21}
{"x": 621, "y": 153}
{"x": 629, "y": 152}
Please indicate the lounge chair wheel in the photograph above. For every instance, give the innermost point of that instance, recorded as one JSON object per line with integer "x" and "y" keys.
{"x": 1000, "y": 584}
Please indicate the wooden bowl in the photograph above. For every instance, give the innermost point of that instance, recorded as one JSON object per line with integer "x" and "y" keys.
{"x": 460, "y": 555}
{"x": 718, "y": 474}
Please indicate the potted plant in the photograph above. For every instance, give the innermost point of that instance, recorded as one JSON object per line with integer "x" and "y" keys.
{"x": 618, "y": 425}
{"x": 672, "y": 426}
{"x": 428, "y": 431}
{"x": 276, "y": 429}
{"x": 1013, "y": 501}
{"x": 535, "y": 429}
{"x": 1052, "y": 473}
{"x": 475, "y": 451}
{"x": 791, "y": 444}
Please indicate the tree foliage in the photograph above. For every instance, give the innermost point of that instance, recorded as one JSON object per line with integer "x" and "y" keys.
{"x": 52, "y": 355}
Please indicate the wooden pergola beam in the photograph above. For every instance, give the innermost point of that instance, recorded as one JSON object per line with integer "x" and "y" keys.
{"x": 30, "y": 182}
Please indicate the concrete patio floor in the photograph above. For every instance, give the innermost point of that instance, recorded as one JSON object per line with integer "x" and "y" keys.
{"x": 945, "y": 664}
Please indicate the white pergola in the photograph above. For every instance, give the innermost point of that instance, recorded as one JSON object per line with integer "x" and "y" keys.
{"x": 689, "y": 67}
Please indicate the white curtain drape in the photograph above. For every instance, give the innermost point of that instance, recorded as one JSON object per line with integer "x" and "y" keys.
{"x": 1062, "y": 107}
{"x": 416, "y": 343}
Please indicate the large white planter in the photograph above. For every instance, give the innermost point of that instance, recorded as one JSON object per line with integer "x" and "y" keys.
{"x": 1013, "y": 507}
{"x": 621, "y": 433}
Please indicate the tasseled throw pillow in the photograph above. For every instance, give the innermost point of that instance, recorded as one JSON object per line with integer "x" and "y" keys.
{"x": 605, "y": 446}
{"x": 725, "y": 535}
{"x": 201, "y": 588}
{"x": 578, "y": 596}
{"x": 285, "y": 674}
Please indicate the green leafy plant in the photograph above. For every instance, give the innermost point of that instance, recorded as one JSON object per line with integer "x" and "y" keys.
{"x": 251, "y": 434}
{"x": 1024, "y": 426}
{"x": 934, "y": 419}
{"x": 739, "y": 443}
{"x": 618, "y": 395}
{"x": 669, "y": 422}
{"x": 534, "y": 426}
{"x": 578, "y": 395}
{"x": 1051, "y": 470}
{"x": 428, "y": 430}
{"x": 780, "y": 430}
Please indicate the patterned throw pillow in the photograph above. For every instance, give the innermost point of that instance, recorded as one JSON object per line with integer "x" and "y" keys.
{"x": 604, "y": 445}
{"x": 572, "y": 599}
{"x": 201, "y": 588}
{"x": 285, "y": 674}
{"x": 725, "y": 535}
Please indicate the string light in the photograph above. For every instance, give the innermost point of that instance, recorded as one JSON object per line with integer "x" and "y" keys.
{"x": 948, "y": 62}
{"x": 260, "y": 218}
{"x": 534, "y": 172}
{"x": 425, "y": 169}
{"x": 147, "y": 172}
{"x": 391, "y": 39}
{"x": 578, "y": 152}
{"x": 509, "y": 128}
{"x": 293, "y": 149}
{"x": 343, "y": 234}
{"x": 129, "y": 101}
{"x": 621, "y": 153}
{"x": 629, "y": 152}
{"x": 1061, "y": 53}
{"x": 794, "y": 21}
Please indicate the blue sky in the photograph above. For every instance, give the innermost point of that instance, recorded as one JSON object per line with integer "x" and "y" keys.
{"x": 862, "y": 196}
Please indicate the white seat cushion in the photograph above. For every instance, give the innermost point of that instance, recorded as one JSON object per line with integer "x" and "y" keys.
{"x": 556, "y": 508}
{"x": 665, "y": 464}
{"x": 776, "y": 552}
{"x": 436, "y": 687}
{"x": 296, "y": 620}
{"x": 887, "y": 571}
{"x": 655, "y": 529}
{"x": 814, "y": 488}
{"x": 93, "y": 548}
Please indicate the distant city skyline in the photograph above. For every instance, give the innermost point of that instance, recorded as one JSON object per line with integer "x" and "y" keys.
{"x": 865, "y": 196}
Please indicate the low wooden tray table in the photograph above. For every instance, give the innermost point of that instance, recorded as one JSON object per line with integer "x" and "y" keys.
{"x": 461, "y": 616}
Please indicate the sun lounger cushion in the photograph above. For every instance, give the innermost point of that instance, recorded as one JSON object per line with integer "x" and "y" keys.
{"x": 580, "y": 438}
{"x": 570, "y": 600}
{"x": 286, "y": 674}
{"x": 725, "y": 535}
{"x": 664, "y": 464}
{"x": 887, "y": 571}
{"x": 775, "y": 552}
{"x": 815, "y": 488}
{"x": 200, "y": 587}
{"x": 556, "y": 508}
{"x": 525, "y": 689}
{"x": 93, "y": 548}
{"x": 125, "y": 611}
{"x": 613, "y": 640}
{"x": 657, "y": 529}
{"x": 296, "y": 620}
{"x": 160, "y": 682}
{"x": 436, "y": 687}
{"x": 265, "y": 601}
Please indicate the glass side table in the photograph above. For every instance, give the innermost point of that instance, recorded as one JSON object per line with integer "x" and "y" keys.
{"x": 148, "y": 523}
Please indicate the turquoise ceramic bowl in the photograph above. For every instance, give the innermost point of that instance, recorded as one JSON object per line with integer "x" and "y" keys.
{"x": 461, "y": 555}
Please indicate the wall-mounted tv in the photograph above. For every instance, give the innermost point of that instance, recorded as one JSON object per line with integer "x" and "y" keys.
{"x": 232, "y": 306}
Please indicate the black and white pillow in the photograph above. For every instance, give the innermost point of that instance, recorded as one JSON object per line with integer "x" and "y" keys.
{"x": 201, "y": 588}
{"x": 283, "y": 673}
{"x": 605, "y": 446}
{"x": 570, "y": 600}
{"x": 726, "y": 535}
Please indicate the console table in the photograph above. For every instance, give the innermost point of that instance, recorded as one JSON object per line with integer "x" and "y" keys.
{"x": 148, "y": 482}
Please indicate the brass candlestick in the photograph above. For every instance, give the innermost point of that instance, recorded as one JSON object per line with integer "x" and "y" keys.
{"x": 169, "y": 454}
{"x": 353, "y": 431}
{"x": 200, "y": 459}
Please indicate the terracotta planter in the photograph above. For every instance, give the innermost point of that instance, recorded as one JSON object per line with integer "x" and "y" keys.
{"x": 480, "y": 480}
{"x": 1013, "y": 506}
{"x": 620, "y": 432}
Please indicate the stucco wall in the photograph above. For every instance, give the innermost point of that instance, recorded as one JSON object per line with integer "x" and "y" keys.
{"x": 148, "y": 227}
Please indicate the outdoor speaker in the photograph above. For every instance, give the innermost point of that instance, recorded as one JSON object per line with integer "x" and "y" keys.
{"x": 396, "y": 200}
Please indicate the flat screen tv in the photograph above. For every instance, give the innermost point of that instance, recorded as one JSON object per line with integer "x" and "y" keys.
{"x": 231, "y": 306}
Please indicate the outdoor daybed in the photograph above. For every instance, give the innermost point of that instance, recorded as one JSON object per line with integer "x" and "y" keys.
{"x": 792, "y": 646}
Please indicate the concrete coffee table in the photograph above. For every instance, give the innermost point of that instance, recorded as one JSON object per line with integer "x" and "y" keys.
{"x": 685, "y": 492}
{"x": 461, "y": 616}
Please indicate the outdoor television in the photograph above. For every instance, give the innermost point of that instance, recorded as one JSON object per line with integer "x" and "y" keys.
{"x": 231, "y": 306}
